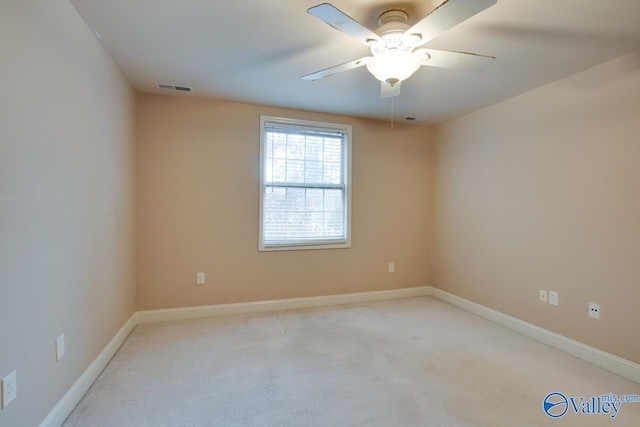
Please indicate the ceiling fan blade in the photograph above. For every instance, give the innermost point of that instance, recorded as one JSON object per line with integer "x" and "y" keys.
{"x": 449, "y": 14}
{"x": 449, "y": 59}
{"x": 388, "y": 91}
{"x": 343, "y": 22}
{"x": 338, "y": 69}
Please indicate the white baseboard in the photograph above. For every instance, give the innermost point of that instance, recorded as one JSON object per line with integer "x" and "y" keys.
{"x": 148, "y": 316}
{"x": 610, "y": 362}
{"x": 71, "y": 398}
{"x": 69, "y": 401}
{"x": 617, "y": 365}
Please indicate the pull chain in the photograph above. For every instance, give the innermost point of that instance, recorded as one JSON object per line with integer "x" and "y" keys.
{"x": 392, "y": 112}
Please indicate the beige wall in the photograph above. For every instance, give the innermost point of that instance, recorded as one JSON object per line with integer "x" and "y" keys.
{"x": 198, "y": 163}
{"x": 538, "y": 192}
{"x": 543, "y": 192}
{"x": 66, "y": 201}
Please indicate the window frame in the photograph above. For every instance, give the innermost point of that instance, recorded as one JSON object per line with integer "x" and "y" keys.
{"x": 314, "y": 245}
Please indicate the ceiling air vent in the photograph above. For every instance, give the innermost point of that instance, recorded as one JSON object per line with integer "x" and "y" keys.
{"x": 416, "y": 119}
{"x": 169, "y": 86}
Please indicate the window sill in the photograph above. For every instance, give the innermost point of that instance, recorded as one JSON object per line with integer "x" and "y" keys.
{"x": 310, "y": 247}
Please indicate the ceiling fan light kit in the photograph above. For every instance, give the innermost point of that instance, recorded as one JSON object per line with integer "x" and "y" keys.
{"x": 393, "y": 66}
{"x": 394, "y": 45}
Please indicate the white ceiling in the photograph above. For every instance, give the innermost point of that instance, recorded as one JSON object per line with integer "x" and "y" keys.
{"x": 256, "y": 50}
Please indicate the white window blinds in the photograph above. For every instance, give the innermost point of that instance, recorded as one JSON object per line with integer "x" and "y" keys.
{"x": 304, "y": 194}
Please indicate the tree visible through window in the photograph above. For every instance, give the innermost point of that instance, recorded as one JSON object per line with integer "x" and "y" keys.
{"x": 305, "y": 190}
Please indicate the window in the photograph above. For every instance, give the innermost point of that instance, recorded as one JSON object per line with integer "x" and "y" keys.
{"x": 305, "y": 196}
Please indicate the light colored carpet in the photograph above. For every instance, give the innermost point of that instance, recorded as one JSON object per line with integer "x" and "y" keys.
{"x": 409, "y": 362}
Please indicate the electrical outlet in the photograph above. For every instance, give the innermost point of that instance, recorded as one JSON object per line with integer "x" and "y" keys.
{"x": 9, "y": 389}
{"x": 392, "y": 267}
{"x": 200, "y": 278}
{"x": 594, "y": 310}
{"x": 553, "y": 298}
{"x": 543, "y": 295}
{"x": 60, "y": 350}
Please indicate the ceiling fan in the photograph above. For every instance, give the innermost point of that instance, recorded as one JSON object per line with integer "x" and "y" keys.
{"x": 395, "y": 46}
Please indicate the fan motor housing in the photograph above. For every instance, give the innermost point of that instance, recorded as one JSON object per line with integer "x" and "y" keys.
{"x": 394, "y": 20}
{"x": 392, "y": 25}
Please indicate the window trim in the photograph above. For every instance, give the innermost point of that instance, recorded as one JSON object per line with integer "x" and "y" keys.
{"x": 290, "y": 246}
